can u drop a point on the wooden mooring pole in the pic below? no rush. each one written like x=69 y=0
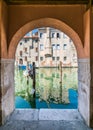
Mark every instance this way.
x=60 y=71
x=61 y=81
x=34 y=82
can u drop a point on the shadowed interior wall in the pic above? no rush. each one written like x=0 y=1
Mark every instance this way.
x=4 y=29
x=7 y=86
x=91 y=66
x=69 y=14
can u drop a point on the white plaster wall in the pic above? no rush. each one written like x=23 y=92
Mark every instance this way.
x=84 y=89
x=7 y=86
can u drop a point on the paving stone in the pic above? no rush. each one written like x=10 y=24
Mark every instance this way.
x=29 y=120
x=59 y=114
x=25 y=114
x=45 y=125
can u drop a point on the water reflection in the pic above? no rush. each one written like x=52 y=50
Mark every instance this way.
x=50 y=91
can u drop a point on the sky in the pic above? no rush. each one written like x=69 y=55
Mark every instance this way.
x=33 y=32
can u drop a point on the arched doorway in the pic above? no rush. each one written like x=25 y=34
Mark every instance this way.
x=83 y=63
x=56 y=66
x=46 y=22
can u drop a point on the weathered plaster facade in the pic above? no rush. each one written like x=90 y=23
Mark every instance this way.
x=4 y=28
x=83 y=88
x=7 y=87
x=74 y=20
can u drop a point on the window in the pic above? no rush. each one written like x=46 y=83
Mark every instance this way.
x=53 y=58
x=25 y=49
x=41 y=58
x=41 y=47
x=53 y=34
x=36 y=49
x=20 y=61
x=64 y=46
x=20 y=53
x=58 y=35
x=36 y=40
x=36 y=58
x=65 y=58
x=26 y=40
x=58 y=47
x=53 y=46
x=32 y=45
x=58 y=58
x=41 y=35
x=20 y=43
x=25 y=58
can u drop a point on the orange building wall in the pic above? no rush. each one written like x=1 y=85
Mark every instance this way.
x=4 y=29
x=22 y=14
x=86 y=26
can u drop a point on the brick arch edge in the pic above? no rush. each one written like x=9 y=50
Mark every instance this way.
x=46 y=22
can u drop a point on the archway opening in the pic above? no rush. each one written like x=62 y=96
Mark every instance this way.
x=55 y=58
x=83 y=84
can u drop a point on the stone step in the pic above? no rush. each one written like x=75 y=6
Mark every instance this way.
x=46 y=114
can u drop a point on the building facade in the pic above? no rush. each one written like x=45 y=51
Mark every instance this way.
x=47 y=48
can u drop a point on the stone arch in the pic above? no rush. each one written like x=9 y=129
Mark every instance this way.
x=46 y=22
x=83 y=60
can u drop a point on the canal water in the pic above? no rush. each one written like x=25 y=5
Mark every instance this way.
x=53 y=89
